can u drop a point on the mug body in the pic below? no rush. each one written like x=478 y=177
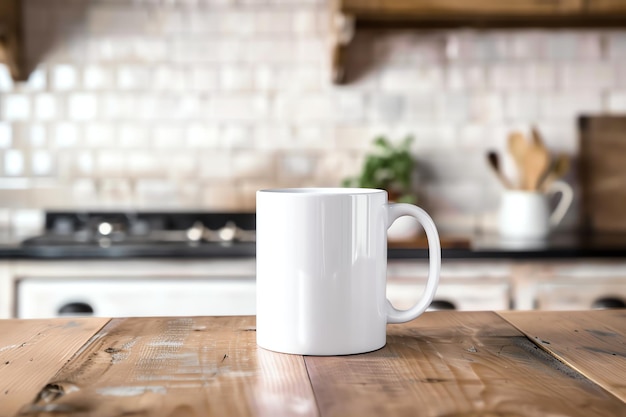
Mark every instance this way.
x=524 y=215
x=321 y=270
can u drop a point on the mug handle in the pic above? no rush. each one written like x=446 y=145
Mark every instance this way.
x=395 y=210
x=567 y=195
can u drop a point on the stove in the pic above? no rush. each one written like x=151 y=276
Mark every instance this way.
x=115 y=229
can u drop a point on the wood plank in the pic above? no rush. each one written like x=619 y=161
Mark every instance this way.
x=603 y=173
x=449 y=8
x=455 y=364
x=202 y=366
x=32 y=351
x=592 y=342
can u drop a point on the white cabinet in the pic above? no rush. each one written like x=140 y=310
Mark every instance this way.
x=171 y=287
x=112 y=288
x=580 y=285
x=462 y=286
x=132 y=297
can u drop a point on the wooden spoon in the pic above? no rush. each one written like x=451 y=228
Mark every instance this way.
x=559 y=169
x=518 y=146
x=494 y=163
x=536 y=162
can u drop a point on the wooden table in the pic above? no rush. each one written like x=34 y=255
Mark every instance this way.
x=443 y=364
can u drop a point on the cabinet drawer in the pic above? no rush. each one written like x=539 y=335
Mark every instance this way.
x=581 y=294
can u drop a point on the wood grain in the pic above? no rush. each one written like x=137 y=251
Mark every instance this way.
x=179 y=366
x=592 y=342
x=32 y=351
x=455 y=364
x=603 y=173
x=449 y=8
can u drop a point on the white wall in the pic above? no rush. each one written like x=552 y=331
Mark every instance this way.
x=197 y=103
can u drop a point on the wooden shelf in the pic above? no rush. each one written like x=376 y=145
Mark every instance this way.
x=10 y=28
x=348 y=16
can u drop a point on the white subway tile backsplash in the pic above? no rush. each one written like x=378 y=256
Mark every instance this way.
x=181 y=103
x=6 y=82
x=111 y=163
x=154 y=192
x=6 y=135
x=96 y=77
x=182 y=165
x=42 y=163
x=274 y=22
x=567 y=106
x=313 y=137
x=617 y=102
x=75 y=164
x=349 y=106
x=133 y=135
x=134 y=77
x=46 y=107
x=521 y=107
x=16 y=107
x=387 y=108
x=309 y=108
x=142 y=164
x=505 y=77
x=616 y=45
x=13 y=162
x=235 y=78
x=100 y=135
x=204 y=79
x=584 y=75
x=220 y=197
x=236 y=136
x=82 y=106
x=305 y=22
x=296 y=165
x=239 y=108
x=253 y=165
x=84 y=193
x=486 y=107
x=37 y=80
x=168 y=136
x=64 y=77
x=65 y=135
x=539 y=76
x=466 y=77
x=215 y=165
x=115 y=193
x=274 y=136
x=37 y=136
x=452 y=108
x=200 y=135
x=356 y=137
x=169 y=78
x=401 y=80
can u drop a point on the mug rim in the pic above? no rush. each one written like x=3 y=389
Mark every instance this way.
x=309 y=191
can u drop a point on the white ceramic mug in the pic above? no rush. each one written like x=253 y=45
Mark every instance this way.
x=525 y=215
x=321 y=269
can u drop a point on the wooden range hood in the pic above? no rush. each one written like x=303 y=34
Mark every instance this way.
x=10 y=26
x=348 y=16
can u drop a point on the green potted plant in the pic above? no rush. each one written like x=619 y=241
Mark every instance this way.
x=389 y=167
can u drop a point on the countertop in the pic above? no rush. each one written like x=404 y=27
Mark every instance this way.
x=561 y=246
x=469 y=364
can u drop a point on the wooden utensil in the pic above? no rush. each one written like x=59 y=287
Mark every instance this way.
x=494 y=163
x=559 y=169
x=518 y=147
x=536 y=163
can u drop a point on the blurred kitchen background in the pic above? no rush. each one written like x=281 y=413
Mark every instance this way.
x=193 y=105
